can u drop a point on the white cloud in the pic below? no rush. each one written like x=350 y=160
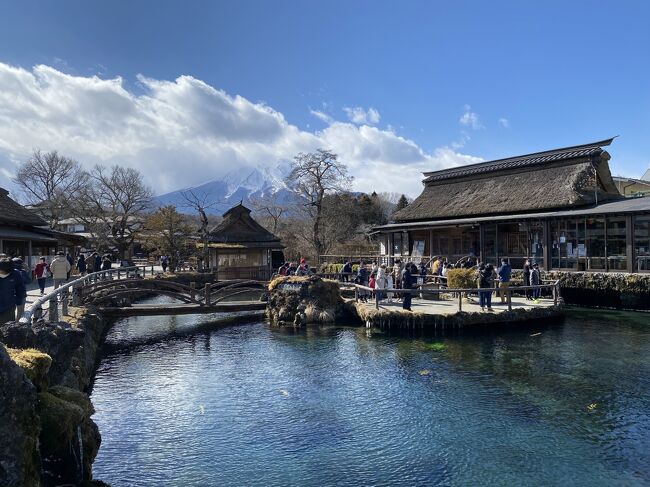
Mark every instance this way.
x=470 y=119
x=504 y=122
x=322 y=116
x=185 y=132
x=360 y=116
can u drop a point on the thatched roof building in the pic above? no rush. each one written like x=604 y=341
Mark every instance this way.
x=571 y=176
x=560 y=208
x=242 y=248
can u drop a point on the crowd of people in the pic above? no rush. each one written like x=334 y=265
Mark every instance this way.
x=300 y=268
x=386 y=282
x=15 y=277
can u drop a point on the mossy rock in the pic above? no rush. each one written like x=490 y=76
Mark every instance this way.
x=59 y=421
x=34 y=363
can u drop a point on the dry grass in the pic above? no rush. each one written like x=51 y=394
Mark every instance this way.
x=34 y=363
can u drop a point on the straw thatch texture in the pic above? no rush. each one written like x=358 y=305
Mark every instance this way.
x=239 y=226
x=512 y=191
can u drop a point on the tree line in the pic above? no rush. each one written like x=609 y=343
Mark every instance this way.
x=115 y=206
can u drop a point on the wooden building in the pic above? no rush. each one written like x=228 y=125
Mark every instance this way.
x=559 y=208
x=26 y=235
x=240 y=248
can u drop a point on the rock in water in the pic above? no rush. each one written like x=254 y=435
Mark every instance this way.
x=19 y=426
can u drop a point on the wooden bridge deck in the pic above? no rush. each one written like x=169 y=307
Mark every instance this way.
x=183 y=308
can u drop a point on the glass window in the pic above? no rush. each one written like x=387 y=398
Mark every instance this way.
x=489 y=243
x=397 y=243
x=642 y=243
x=616 y=244
x=595 y=243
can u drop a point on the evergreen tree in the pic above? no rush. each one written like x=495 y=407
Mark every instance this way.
x=402 y=203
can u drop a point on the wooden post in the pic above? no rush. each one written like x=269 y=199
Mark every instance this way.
x=376 y=299
x=460 y=302
x=64 y=303
x=119 y=275
x=206 y=291
x=193 y=290
x=53 y=312
x=509 y=298
x=555 y=292
x=38 y=313
x=356 y=293
x=76 y=295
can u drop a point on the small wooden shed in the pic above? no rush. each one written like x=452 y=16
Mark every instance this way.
x=241 y=248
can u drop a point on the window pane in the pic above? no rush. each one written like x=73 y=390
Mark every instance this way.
x=642 y=242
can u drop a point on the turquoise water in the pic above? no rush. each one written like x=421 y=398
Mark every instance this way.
x=562 y=404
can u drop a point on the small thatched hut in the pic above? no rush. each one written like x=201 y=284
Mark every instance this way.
x=560 y=208
x=240 y=248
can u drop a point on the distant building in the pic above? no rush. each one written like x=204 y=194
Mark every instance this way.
x=559 y=208
x=240 y=248
x=26 y=235
x=631 y=188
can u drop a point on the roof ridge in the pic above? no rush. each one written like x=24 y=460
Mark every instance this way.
x=531 y=155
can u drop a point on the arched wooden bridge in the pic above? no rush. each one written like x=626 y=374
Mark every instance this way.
x=114 y=292
x=116 y=297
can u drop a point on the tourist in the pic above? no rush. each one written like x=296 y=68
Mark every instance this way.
x=535 y=280
x=504 y=273
x=70 y=260
x=20 y=268
x=81 y=265
x=60 y=268
x=389 y=285
x=407 y=284
x=526 y=275
x=107 y=264
x=485 y=283
x=164 y=262
x=98 y=262
x=374 y=268
x=362 y=280
x=12 y=291
x=40 y=272
x=381 y=282
x=435 y=267
x=372 y=282
x=282 y=270
x=346 y=271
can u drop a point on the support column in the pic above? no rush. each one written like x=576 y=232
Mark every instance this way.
x=2 y=246
x=29 y=257
x=481 y=242
x=629 y=243
x=546 y=241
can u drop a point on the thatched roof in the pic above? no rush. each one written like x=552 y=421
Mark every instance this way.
x=554 y=179
x=238 y=226
x=12 y=213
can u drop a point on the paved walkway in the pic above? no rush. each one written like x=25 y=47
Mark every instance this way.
x=444 y=307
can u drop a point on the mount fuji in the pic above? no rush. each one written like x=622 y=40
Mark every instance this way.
x=243 y=185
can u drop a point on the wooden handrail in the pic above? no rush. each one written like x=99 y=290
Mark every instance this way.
x=35 y=309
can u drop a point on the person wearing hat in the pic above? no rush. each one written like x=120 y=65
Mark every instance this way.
x=60 y=268
x=12 y=291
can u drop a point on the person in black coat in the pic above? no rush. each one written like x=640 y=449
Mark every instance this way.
x=81 y=265
x=407 y=283
x=526 y=274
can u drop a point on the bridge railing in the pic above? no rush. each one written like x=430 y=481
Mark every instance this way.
x=554 y=286
x=62 y=294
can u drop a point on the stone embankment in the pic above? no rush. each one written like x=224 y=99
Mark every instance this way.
x=604 y=289
x=48 y=436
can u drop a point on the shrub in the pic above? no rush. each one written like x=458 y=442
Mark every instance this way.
x=461 y=278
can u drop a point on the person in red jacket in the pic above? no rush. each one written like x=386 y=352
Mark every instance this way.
x=40 y=271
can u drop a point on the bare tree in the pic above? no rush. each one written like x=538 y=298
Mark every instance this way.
x=201 y=203
x=315 y=175
x=113 y=205
x=167 y=233
x=272 y=207
x=51 y=182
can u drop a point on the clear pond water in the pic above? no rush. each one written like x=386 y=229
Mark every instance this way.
x=561 y=404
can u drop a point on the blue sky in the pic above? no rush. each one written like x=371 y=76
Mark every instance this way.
x=452 y=81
